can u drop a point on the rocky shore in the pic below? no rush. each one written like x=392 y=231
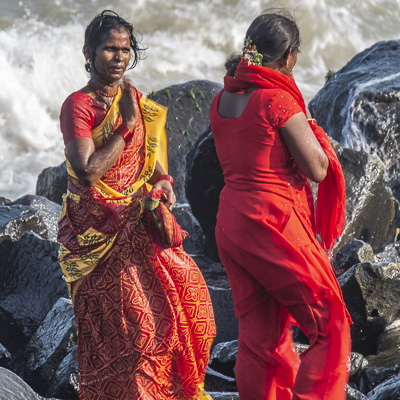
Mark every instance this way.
x=358 y=108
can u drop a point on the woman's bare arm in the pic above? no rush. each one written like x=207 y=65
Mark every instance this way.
x=90 y=164
x=305 y=148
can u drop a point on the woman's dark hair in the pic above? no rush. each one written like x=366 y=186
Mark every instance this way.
x=97 y=32
x=274 y=33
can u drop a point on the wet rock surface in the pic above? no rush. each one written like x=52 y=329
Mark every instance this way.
x=371 y=293
x=370 y=206
x=52 y=183
x=5 y=358
x=359 y=106
x=66 y=380
x=203 y=187
x=29 y=213
x=361 y=115
x=188 y=108
x=12 y=387
x=29 y=287
x=56 y=335
x=353 y=253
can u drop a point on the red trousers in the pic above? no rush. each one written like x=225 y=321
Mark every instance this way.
x=267 y=366
x=274 y=269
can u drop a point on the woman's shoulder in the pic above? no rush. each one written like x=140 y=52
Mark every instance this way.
x=78 y=98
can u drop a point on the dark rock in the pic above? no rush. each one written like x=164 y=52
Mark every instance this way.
x=359 y=106
x=353 y=394
x=31 y=284
x=188 y=108
x=390 y=338
x=300 y=347
x=370 y=207
x=12 y=387
x=66 y=381
x=353 y=253
x=5 y=358
x=223 y=358
x=227 y=324
x=371 y=293
x=213 y=272
x=193 y=244
x=356 y=365
x=391 y=253
x=52 y=183
x=371 y=377
x=29 y=214
x=224 y=395
x=216 y=381
x=388 y=390
x=386 y=362
x=49 y=346
x=203 y=186
x=3 y=201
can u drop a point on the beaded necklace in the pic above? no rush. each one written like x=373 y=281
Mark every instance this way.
x=107 y=98
x=100 y=93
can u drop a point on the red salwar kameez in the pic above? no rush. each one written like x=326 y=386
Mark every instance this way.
x=266 y=237
x=144 y=314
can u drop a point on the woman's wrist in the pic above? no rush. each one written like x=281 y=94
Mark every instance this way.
x=125 y=132
x=165 y=177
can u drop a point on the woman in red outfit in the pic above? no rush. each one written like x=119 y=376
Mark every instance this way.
x=144 y=314
x=266 y=226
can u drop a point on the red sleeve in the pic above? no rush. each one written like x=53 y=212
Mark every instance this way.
x=282 y=106
x=77 y=117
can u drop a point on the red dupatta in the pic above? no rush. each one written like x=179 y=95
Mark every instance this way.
x=331 y=198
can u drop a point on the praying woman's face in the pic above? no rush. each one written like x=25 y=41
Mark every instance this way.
x=112 y=56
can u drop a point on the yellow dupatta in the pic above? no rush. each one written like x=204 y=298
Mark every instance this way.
x=154 y=116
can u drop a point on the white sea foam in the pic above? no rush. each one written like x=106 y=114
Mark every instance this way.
x=41 y=60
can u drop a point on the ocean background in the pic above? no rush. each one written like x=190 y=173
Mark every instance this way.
x=41 y=61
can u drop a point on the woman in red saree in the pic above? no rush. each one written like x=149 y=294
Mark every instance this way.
x=144 y=314
x=266 y=227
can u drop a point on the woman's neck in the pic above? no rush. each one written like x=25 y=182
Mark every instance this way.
x=108 y=88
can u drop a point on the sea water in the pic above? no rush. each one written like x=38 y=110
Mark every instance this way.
x=41 y=61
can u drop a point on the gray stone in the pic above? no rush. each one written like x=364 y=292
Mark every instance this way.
x=370 y=207
x=216 y=381
x=203 y=186
x=52 y=183
x=193 y=244
x=388 y=390
x=188 y=108
x=12 y=387
x=5 y=358
x=359 y=106
x=66 y=380
x=371 y=293
x=224 y=395
x=29 y=214
x=353 y=253
x=30 y=285
x=227 y=324
x=391 y=253
x=353 y=394
x=223 y=358
x=371 y=377
x=56 y=335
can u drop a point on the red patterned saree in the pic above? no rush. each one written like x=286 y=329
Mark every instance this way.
x=144 y=314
